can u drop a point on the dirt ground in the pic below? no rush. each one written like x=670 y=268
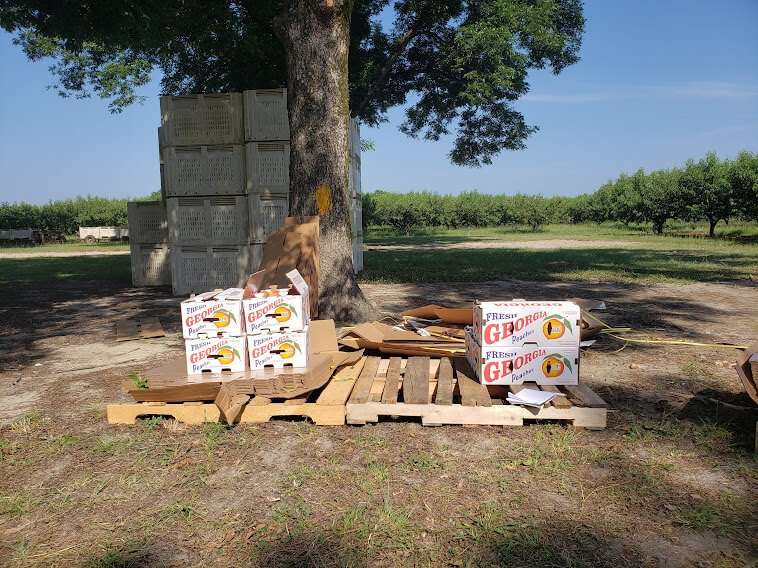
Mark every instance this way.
x=671 y=482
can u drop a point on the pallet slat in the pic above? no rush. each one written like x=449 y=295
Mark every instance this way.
x=416 y=381
x=392 y=382
x=444 y=383
x=362 y=387
x=472 y=392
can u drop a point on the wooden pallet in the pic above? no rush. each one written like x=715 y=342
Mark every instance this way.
x=186 y=412
x=440 y=392
x=324 y=406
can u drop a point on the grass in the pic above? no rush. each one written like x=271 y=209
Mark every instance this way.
x=640 y=257
x=71 y=245
x=711 y=262
x=115 y=269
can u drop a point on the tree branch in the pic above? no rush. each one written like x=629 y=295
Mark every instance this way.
x=387 y=67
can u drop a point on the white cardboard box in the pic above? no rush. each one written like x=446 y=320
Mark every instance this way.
x=512 y=324
x=506 y=365
x=215 y=354
x=213 y=314
x=279 y=349
x=288 y=311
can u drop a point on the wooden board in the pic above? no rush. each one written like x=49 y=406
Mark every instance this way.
x=138 y=328
x=453 y=397
x=416 y=381
x=325 y=407
x=189 y=413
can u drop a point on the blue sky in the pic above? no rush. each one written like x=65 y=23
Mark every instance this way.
x=659 y=82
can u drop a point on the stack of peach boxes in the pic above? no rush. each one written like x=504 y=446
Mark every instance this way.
x=226 y=331
x=519 y=341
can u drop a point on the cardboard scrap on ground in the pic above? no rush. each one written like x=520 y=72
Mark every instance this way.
x=747 y=371
x=294 y=246
x=464 y=315
x=381 y=337
x=138 y=328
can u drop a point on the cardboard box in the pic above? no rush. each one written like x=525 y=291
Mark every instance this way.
x=215 y=354
x=213 y=314
x=504 y=365
x=286 y=311
x=515 y=323
x=277 y=350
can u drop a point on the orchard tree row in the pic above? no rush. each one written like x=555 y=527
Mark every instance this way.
x=710 y=189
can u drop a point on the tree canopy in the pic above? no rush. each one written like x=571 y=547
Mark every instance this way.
x=458 y=65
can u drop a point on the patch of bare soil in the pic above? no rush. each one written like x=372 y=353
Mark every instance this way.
x=670 y=482
x=536 y=244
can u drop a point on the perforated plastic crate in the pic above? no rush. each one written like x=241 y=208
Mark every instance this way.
x=204 y=170
x=150 y=264
x=219 y=220
x=356 y=214
x=202 y=119
x=197 y=269
x=267 y=214
x=147 y=222
x=354 y=139
x=268 y=167
x=358 y=252
x=354 y=176
x=266 y=115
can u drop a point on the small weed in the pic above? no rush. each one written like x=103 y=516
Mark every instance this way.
x=369 y=439
x=354 y=521
x=152 y=422
x=14 y=505
x=292 y=518
x=27 y=423
x=423 y=462
x=212 y=432
x=179 y=510
x=110 y=445
x=698 y=518
x=139 y=381
x=395 y=525
x=59 y=443
x=296 y=477
x=132 y=555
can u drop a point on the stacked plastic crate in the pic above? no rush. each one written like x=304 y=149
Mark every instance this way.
x=148 y=243
x=204 y=186
x=267 y=162
x=224 y=162
x=354 y=186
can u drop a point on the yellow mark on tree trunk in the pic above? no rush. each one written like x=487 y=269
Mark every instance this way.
x=323 y=199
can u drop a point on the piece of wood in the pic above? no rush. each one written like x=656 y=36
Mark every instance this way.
x=139 y=328
x=747 y=371
x=392 y=382
x=231 y=399
x=586 y=395
x=362 y=387
x=187 y=392
x=495 y=415
x=558 y=401
x=186 y=413
x=416 y=381
x=338 y=390
x=444 y=383
x=472 y=392
x=320 y=414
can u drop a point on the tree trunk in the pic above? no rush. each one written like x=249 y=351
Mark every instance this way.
x=658 y=225
x=712 y=227
x=316 y=34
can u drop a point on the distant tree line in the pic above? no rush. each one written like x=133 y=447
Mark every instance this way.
x=64 y=217
x=710 y=189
